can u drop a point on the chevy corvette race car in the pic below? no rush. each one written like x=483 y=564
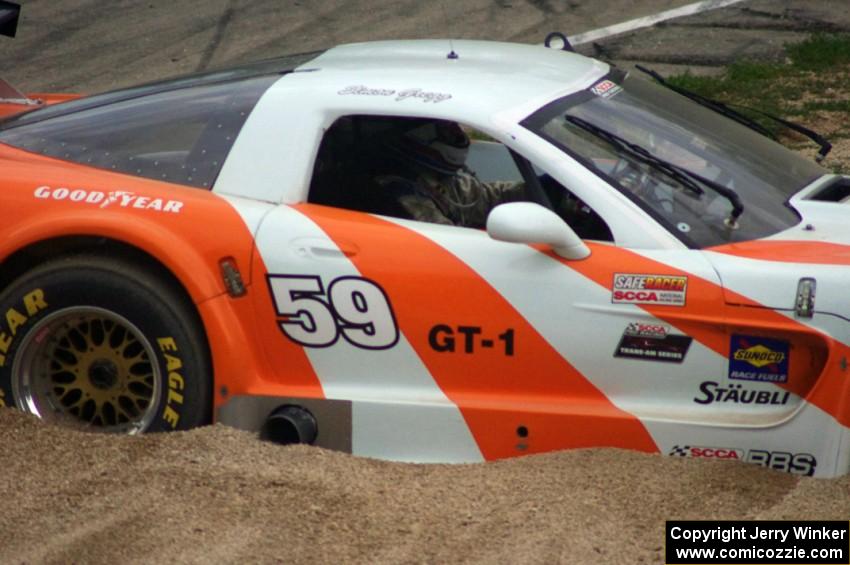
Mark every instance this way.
x=212 y=248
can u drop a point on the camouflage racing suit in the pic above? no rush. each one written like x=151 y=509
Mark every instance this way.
x=460 y=199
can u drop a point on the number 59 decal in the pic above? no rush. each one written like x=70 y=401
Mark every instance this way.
x=356 y=307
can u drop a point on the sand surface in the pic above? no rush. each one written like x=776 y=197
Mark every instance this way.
x=219 y=495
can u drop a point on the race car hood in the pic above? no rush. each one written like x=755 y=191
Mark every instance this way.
x=769 y=271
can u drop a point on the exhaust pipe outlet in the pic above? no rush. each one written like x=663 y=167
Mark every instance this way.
x=290 y=424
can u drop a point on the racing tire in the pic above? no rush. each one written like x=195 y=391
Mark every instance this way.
x=95 y=343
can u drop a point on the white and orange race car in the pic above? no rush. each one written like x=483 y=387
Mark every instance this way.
x=214 y=248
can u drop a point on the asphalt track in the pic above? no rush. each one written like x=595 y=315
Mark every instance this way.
x=96 y=45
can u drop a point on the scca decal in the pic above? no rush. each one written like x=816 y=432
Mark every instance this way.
x=795 y=463
x=652 y=342
x=707 y=452
x=661 y=290
x=355 y=307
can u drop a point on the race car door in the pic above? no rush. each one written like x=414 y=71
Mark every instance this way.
x=453 y=346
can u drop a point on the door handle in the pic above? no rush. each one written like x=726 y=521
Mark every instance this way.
x=322 y=248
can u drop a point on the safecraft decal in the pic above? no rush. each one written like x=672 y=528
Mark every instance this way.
x=795 y=463
x=758 y=359
x=653 y=342
x=712 y=392
x=355 y=307
x=121 y=198
x=660 y=290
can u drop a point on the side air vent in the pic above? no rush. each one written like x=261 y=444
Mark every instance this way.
x=838 y=191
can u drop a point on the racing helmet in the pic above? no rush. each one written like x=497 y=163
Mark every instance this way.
x=439 y=145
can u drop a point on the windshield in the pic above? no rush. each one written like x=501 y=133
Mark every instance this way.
x=705 y=177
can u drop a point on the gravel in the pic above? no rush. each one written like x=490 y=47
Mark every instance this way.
x=220 y=495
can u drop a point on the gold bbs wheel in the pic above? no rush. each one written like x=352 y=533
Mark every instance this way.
x=90 y=367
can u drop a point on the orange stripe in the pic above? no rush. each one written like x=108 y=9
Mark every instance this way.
x=497 y=394
x=817 y=252
x=290 y=365
x=708 y=319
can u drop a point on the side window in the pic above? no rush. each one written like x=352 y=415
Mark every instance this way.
x=422 y=169
x=581 y=218
x=180 y=136
x=433 y=171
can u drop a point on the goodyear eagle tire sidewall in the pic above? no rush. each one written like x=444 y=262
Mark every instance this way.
x=153 y=308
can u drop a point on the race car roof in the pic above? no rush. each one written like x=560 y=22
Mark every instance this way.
x=476 y=76
x=274 y=66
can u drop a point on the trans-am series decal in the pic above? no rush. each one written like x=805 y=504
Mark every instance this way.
x=653 y=342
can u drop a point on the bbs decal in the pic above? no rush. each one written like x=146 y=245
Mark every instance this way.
x=353 y=307
x=795 y=463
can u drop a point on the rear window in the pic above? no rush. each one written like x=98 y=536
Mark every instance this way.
x=180 y=136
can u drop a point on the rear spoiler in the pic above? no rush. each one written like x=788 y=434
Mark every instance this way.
x=11 y=95
x=9 y=14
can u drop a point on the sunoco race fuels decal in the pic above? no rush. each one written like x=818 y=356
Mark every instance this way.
x=662 y=290
x=754 y=358
x=653 y=342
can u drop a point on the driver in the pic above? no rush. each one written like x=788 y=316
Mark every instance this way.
x=430 y=181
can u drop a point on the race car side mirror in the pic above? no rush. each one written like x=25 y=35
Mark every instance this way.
x=527 y=222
